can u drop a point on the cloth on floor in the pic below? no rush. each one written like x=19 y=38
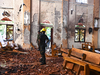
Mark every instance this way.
x=97 y=51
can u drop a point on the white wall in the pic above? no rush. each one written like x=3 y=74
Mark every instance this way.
x=18 y=22
x=6 y=3
x=12 y=7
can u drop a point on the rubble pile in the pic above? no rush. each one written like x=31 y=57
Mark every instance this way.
x=27 y=63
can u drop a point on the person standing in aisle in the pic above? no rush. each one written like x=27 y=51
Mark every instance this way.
x=43 y=43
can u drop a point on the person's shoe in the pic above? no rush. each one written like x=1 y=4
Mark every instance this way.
x=42 y=63
x=40 y=60
x=38 y=50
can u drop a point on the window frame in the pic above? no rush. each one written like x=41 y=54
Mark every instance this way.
x=6 y=31
x=81 y=2
x=79 y=34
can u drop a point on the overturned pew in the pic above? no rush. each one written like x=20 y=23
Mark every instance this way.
x=87 y=60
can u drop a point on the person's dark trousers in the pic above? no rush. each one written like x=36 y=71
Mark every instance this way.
x=42 y=52
x=38 y=47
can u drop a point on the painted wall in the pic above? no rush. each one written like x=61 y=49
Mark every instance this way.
x=34 y=21
x=64 y=23
x=99 y=28
x=18 y=22
x=26 y=27
x=78 y=10
x=96 y=15
x=12 y=7
x=21 y=37
x=6 y=6
x=52 y=11
x=99 y=38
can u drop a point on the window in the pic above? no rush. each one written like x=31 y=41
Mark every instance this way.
x=6 y=31
x=79 y=35
x=81 y=1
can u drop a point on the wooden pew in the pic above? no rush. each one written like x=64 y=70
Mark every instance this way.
x=32 y=45
x=89 y=60
x=89 y=43
x=88 y=46
x=55 y=51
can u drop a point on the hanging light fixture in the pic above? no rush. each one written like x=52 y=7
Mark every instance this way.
x=96 y=24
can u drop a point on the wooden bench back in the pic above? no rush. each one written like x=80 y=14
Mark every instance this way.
x=72 y=53
x=54 y=46
x=89 y=43
x=90 y=56
x=88 y=47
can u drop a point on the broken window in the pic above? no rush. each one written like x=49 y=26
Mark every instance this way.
x=81 y=1
x=6 y=31
x=79 y=35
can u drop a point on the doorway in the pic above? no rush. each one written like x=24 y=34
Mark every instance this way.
x=49 y=33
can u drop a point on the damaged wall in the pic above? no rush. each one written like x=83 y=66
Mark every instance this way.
x=18 y=22
x=46 y=10
x=6 y=5
x=52 y=11
x=65 y=22
x=12 y=7
x=34 y=21
x=99 y=28
x=96 y=16
x=26 y=27
x=57 y=33
x=78 y=10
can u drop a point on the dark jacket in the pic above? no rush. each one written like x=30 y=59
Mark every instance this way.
x=43 y=39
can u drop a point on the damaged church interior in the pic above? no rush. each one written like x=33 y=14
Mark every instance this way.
x=49 y=37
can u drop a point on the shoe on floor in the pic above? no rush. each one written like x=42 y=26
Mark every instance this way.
x=41 y=59
x=38 y=50
x=42 y=63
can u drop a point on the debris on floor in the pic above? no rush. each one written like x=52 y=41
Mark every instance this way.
x=26 y=62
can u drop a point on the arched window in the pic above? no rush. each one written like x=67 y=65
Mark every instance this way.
x=6 y=29
x=80 y=33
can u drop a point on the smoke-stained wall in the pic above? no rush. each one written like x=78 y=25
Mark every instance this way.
x=52 y=11
x=99 y=28
x=65 y=23
x=12 y=7
x=26 y=27
x=18 y=22
x=78 y=10
x=34 y=21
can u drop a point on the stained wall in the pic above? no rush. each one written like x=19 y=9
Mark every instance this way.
x=78 y=10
